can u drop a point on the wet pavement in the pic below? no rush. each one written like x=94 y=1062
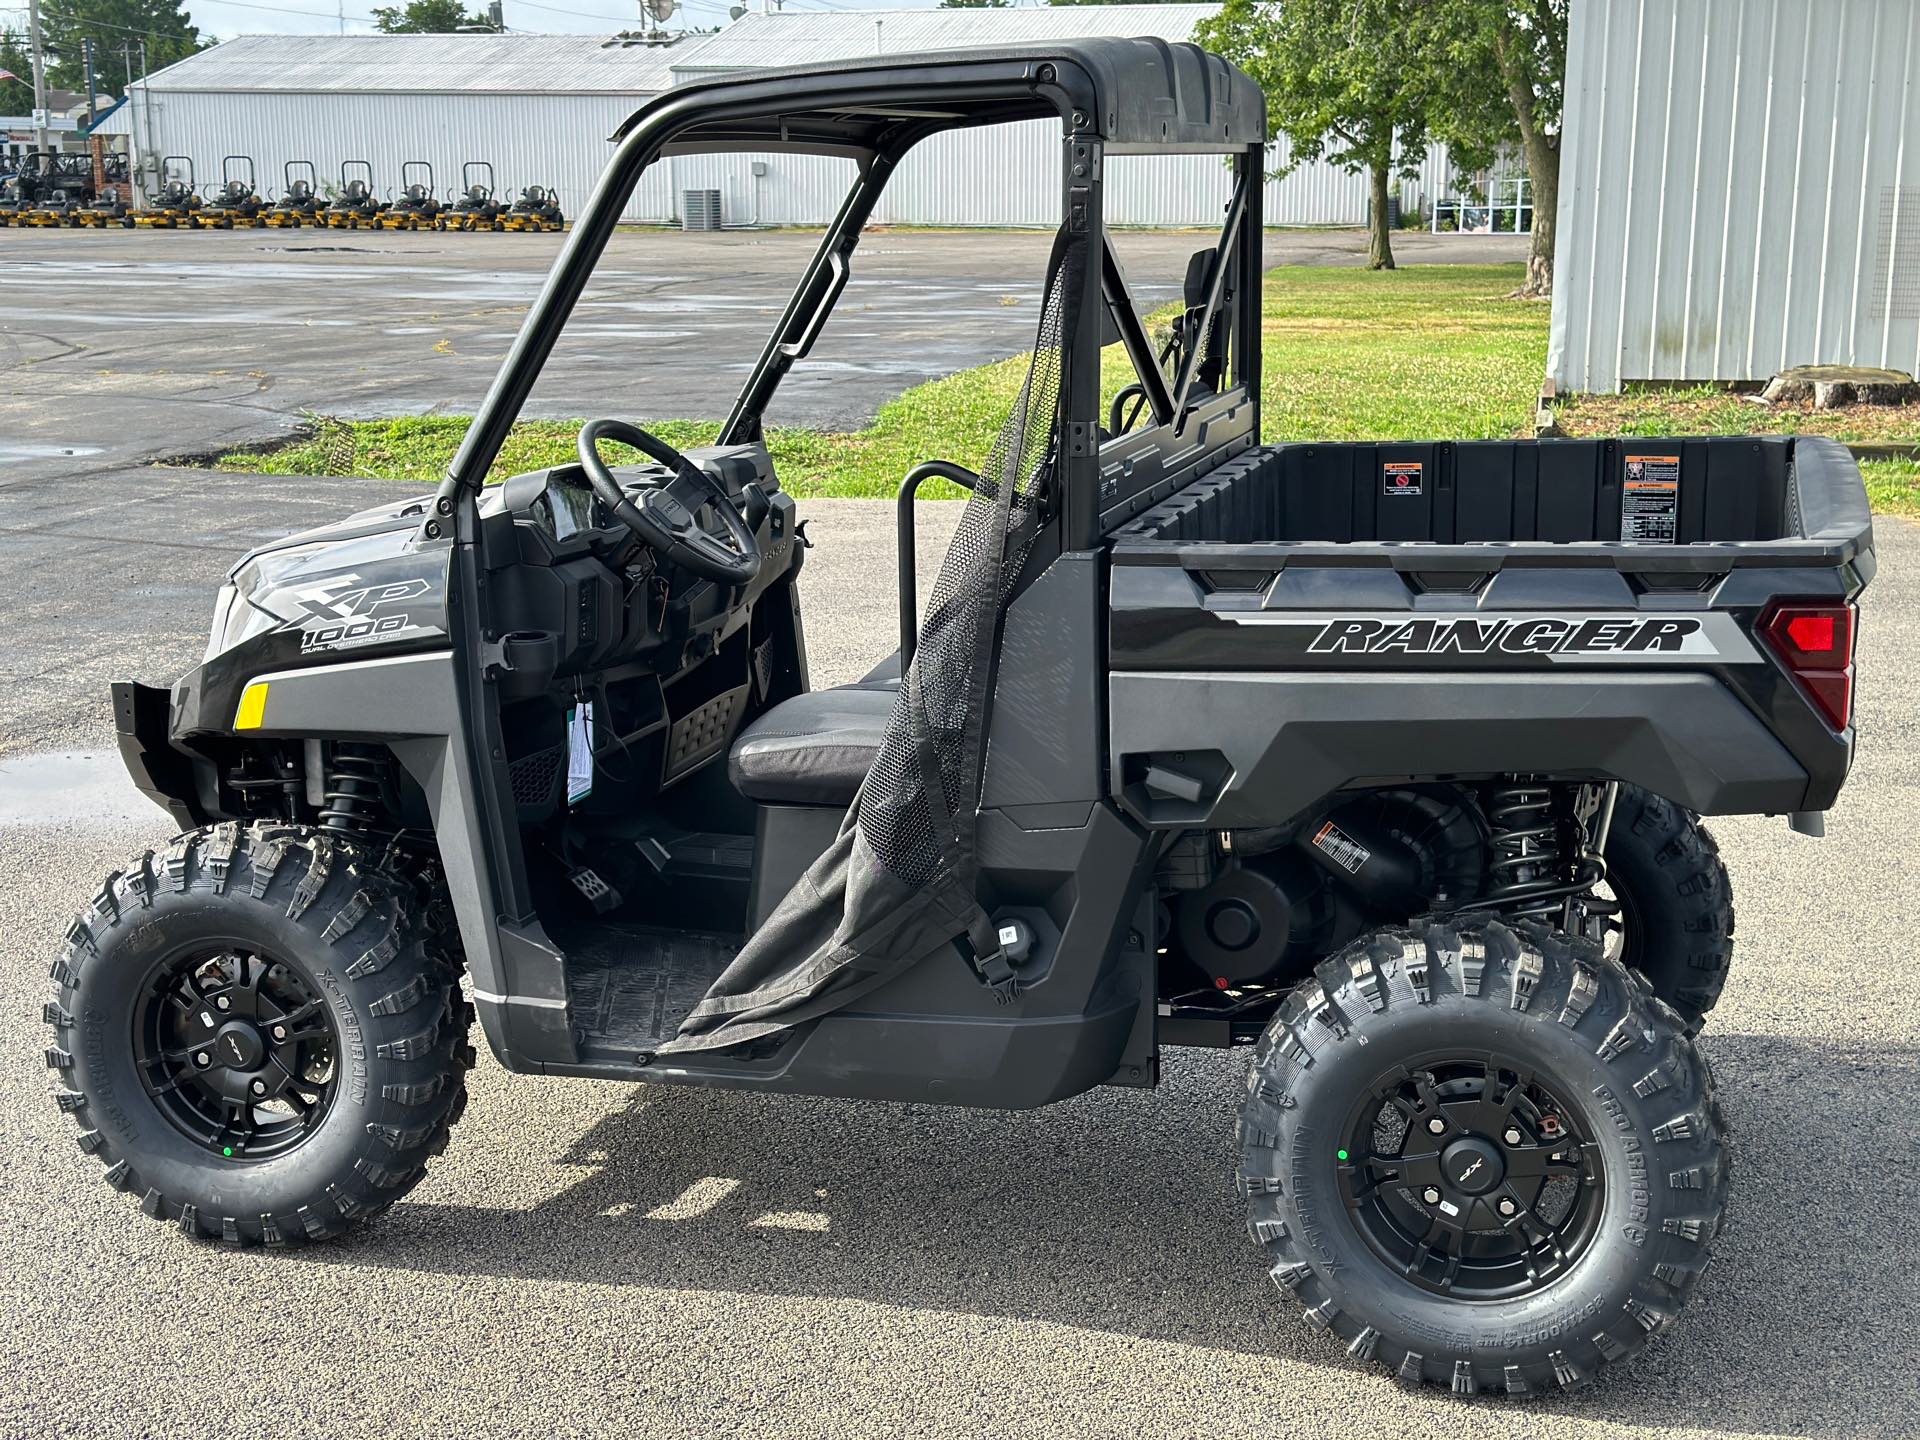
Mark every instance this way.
x=119 y=346
x=84 y=789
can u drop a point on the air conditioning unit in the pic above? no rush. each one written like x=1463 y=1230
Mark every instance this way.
x=700 y=210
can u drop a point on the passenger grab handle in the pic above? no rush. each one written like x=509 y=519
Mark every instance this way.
x=909 y=600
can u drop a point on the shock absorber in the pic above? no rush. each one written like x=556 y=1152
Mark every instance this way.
x=352 y=794
x=1526 y=848
x=1530 y=873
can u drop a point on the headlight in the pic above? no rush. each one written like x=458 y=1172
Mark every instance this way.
x=217 y=643
x=254 y=602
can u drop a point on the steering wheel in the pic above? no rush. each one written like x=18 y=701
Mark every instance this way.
x=666 y=518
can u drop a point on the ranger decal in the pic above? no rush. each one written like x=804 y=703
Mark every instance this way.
x=1494 y=640
x=1522 y=635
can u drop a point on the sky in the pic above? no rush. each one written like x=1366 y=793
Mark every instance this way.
x=226 y=18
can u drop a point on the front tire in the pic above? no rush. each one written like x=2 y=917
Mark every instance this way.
x=260 y=1034
x=1600 y=1175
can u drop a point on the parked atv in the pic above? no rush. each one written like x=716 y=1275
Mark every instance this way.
x=1380 y=761
x=353 y=206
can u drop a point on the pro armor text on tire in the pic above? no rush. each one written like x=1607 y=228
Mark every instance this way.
x=259 y=1034
x=1486 y=1157
x=1677 y=903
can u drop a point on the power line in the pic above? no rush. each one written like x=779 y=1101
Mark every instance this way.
x=606 y=19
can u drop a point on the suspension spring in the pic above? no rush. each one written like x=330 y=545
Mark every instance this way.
x=1529 y=874
x=355 y=782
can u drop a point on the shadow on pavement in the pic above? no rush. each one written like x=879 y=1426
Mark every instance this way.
x=1115 y=1212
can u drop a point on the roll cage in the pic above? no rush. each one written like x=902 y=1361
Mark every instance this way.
x=1110 y=96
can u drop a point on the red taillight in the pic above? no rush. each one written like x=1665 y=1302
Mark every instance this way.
x=1815 y=642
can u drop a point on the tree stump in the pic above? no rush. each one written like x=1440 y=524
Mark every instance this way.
x=1829 y=387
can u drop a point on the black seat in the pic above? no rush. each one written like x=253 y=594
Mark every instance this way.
x=816 y=748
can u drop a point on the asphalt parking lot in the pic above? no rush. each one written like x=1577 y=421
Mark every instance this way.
x=594 y=1258
x=200 y=341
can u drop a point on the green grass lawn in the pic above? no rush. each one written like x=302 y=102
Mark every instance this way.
x=1420 y=353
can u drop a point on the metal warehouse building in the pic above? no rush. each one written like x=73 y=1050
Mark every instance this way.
x=540 y=107
x=1739 y=192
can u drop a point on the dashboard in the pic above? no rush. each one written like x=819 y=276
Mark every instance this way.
x=567 y=506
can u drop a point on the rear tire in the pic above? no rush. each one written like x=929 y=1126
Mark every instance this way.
x=1631 y=1124
x=1678 y=924
x=329 y=965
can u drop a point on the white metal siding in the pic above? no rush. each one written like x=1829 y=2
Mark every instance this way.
x=1740 y=190
x=1000 y=175
x=552 y=140
x=540 y=106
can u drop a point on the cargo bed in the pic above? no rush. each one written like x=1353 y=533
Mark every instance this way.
x=1685 y=503
x=1572 y=607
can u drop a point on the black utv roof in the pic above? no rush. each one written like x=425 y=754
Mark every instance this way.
x=1140 y=94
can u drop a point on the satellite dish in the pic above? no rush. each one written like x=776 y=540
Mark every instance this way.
x=660 y=10
x=736 y=12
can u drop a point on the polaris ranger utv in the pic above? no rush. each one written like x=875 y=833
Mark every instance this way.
x=1383 y=761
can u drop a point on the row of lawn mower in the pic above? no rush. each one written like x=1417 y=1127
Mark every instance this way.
x=53 y=191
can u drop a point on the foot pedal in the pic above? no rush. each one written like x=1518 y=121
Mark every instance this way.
x=602 y=896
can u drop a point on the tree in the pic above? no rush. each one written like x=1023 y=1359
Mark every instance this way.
x=1344 y=80
x=1104 y=2
x=973 y=4
x=111 y=24
x=428 y=17
x=1499 y=71
x=16 y=95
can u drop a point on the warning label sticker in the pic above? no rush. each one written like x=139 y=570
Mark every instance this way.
x=1401 y=477
x=1650 y=498
x=1345 y=851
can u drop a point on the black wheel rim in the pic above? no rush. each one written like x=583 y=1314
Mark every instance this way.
x=237 y=1051
x=1470 y=1178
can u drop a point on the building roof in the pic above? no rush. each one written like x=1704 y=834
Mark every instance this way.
x=433 y=64
x=757 y=41
x=594 y=64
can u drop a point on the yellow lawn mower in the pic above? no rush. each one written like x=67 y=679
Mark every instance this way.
x=237 y=202
x=477 y=208
x=177 y=203
x=416 y=207
x=536 y=209
x=353 y=204
x=299 y=203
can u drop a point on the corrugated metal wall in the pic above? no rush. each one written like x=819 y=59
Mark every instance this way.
x=1001 y=175
x=1740 y=190
x=552 y=140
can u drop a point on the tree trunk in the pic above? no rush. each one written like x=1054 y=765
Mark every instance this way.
x=1379 y=223
x=1543 y=169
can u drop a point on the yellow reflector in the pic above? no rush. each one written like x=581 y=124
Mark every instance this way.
x=253 y=707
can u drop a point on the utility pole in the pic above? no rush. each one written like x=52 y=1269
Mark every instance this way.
x=93 y=100
x=39 y=75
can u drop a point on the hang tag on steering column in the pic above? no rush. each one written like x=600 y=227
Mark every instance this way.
x=579 y=752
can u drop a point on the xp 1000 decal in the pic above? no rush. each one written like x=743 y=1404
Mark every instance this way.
x=343 y=615
x=1500 y=640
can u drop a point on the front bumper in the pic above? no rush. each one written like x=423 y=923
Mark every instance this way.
x=166 y=774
